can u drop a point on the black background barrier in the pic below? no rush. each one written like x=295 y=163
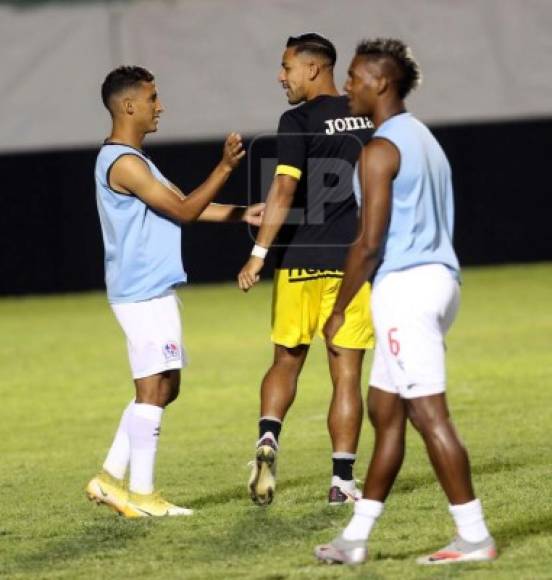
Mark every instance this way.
x=50 y=234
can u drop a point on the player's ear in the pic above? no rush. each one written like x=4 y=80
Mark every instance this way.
x=128 y=106
x=381 y=84
x=314 y=70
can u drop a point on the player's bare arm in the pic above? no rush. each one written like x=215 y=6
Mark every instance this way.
x=378 y=165
x=226 y=212
x=131 y=175
x=222 y=212
x=278 y=204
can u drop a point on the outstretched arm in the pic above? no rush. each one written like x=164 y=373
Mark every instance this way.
x=278 y=204
x=378 y=165
x=223 y=212
x=226 y=212
x=131 y=175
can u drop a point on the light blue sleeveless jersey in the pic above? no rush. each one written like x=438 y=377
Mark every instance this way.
x=422 y=214
x=142 y=248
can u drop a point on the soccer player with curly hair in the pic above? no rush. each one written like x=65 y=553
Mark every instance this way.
x=405 y=245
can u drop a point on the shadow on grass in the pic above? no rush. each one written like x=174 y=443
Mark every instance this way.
x=99 y=537
x=519 y=529
x=259 y=530
x=414 y=482
x=403 y=484
x=504 y=536
x=262 y=530
x=264 y=534
x=240 y=492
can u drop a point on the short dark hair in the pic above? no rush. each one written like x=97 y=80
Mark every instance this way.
x=315 y=44
x=410 y=74
x=122 y=78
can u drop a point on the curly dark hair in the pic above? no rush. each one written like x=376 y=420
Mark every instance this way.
x=122 y=78
x=408 y=70
x=315 y=44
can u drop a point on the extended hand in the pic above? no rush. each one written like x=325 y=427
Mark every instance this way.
x=249 y=274
x=233 y=150
x=333 y=324
x=253 y=215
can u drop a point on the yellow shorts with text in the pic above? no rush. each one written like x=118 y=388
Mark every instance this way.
x=303 y=299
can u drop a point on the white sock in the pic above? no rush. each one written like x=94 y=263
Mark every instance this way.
x=117 y=459
x=367 y=511
x=143 y=430
x=470 y=521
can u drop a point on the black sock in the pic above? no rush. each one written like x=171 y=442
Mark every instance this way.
x=270 y=425
x=343 y=468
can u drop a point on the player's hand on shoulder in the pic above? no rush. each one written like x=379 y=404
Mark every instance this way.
x=249 y=274
x=233 y=150
x=253 y=215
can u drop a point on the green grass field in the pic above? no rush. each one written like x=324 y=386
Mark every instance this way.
x=64 y=381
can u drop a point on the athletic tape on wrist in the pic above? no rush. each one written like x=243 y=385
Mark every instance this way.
x=259 y=252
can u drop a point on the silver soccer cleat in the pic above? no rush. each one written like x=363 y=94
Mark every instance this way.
x=342 y=551
x=461 y=551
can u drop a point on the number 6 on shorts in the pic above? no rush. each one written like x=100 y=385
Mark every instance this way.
x=394 y=344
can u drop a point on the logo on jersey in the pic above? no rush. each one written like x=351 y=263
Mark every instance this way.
x=172 y=351
x=347 y=124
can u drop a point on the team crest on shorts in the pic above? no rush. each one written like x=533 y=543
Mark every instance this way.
x=172 y=351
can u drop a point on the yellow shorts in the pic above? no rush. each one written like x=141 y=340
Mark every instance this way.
x=303 y=299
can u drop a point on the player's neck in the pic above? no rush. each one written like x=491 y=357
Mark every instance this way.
x=386 y=110
x=126 y=136
x=324 y=88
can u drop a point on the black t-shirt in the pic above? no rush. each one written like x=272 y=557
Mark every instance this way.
x=319 y=143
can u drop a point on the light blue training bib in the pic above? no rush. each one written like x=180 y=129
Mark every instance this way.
x=142 y=248
x=422 y=215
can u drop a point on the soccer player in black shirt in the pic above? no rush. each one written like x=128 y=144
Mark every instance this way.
x=311 y=220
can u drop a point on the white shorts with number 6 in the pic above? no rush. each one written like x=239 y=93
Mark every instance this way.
x=412 y=310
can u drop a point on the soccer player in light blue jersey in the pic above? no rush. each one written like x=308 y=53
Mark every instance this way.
x=141 y=214
x=405 y=246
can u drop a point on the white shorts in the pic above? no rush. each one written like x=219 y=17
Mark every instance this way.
x=412 y=311
x=154 y=334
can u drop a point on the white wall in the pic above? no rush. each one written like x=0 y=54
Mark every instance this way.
x=216 y=61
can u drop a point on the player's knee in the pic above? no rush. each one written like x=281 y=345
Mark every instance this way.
x=419 y=420
x=173 y=395
x=175 y=386
x=383 y=422
x=426 y=419
x=170 y=387
x=378 y=418
x=372 y=411
x=384 y=415
x=347 y=378
x=288 y=364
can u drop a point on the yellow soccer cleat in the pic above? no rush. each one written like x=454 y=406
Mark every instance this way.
x=108 y=490
x=152 y=505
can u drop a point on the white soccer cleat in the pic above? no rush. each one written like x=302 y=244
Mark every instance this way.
x=461 y=551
